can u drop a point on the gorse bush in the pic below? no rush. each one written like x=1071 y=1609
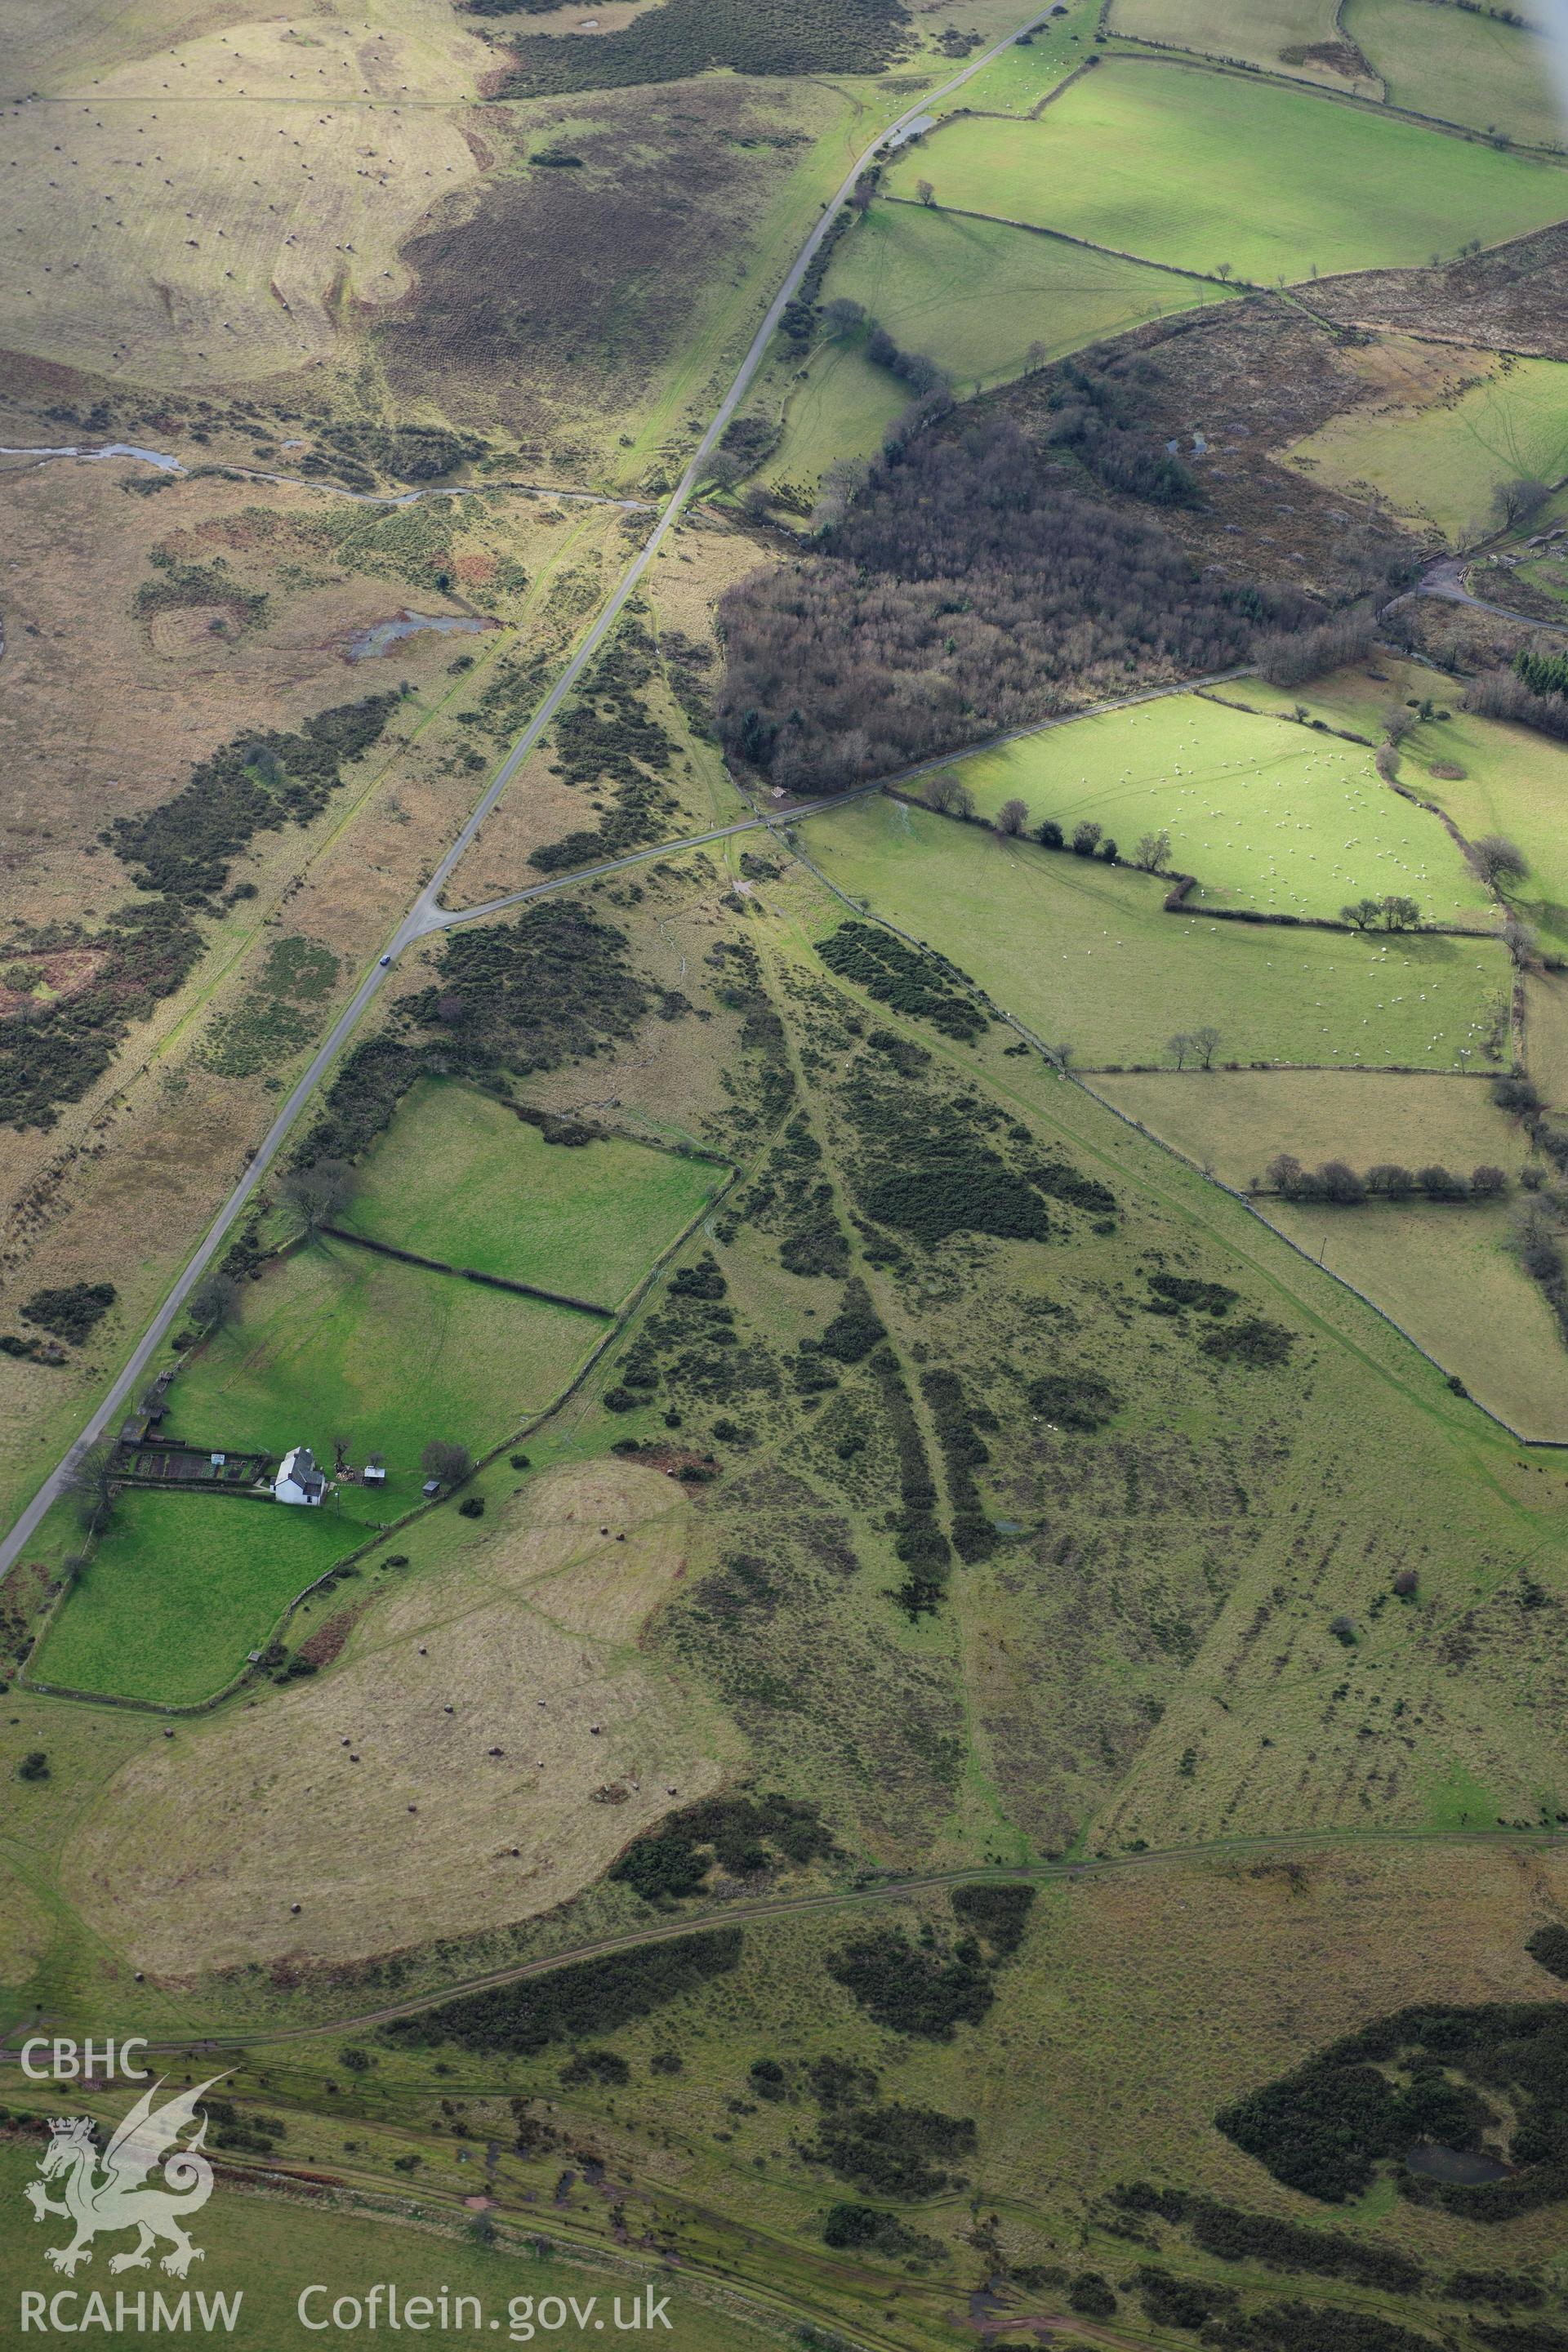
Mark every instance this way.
x=55 y=1049
x=1324 y=2128
x=257 y=784
x=593 y=1998
x=682 y=37
x=912 y=980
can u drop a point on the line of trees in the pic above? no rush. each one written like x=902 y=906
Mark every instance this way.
x=1199 y=1046
x=949 y=795
x=1503 y=693
x=1337 y=1184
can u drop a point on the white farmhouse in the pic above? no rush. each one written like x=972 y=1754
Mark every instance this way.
x=297 y=1479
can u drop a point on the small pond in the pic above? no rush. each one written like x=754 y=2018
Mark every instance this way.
x=381 y=636
x=1433 y=2161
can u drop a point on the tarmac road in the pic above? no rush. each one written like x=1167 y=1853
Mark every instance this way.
x=426 y=913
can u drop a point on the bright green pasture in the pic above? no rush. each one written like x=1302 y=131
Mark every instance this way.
x=1083 y=953
x=461 y=1178
x=977 y=295
x=335 y=1342
x=1023 y=75
x=1443 y=462
x=1260 y=34
x=182 y=1586
x=1462 y=67
x=1515 y=782
x=1198 y=169
x=1264 y=811
x=841 y=408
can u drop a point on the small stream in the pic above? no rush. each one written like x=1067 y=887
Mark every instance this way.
x=167 y=465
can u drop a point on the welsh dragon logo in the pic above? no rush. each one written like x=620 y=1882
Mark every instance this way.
x=104 y=2193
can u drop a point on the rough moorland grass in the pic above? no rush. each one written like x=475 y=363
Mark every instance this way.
x=459 y=1178
x=977 y=295
x=263 y=2250
x=334 y=1342
x=1515 y=782
x=1260 y=34
x=1084 y=953
x=1234 y=1121
x=248 y=293
x=535 y=1606
x=181 y=1587
x=1198 y=169
x=1460 y=65
x=1442 y=462
x=1265 y=813
x=1449 y=1278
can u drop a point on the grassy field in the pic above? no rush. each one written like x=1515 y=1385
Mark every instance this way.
x=840 y=407
x=1257 y=810
x=335 y=1342
x=1449 y=1278
x=461 y=1178
x=977 y=296
x=1546 y=1035
x=1460 y=67
x=1105 y=2015
x=1199 y=170
x=1234 y=1121
x=181 y=1587
x=1083 y=952
x=531 y=1626
x=1441 y=463
x=1263 y=36
x=1514 y=781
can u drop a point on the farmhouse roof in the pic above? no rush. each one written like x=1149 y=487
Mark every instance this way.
x=298 y=1468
